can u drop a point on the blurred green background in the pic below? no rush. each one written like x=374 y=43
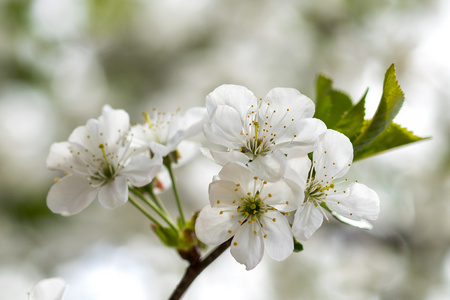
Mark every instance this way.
x=61 y=60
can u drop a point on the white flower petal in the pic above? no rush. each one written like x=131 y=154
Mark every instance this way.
x=187 y=151
x=59 y=157
x=161 y=149
x=247 y=247
x=284 y=195
x=212 y=227
x=363 y=224
x=49 y=289
x=225 y=127
x=285 y=108
x=114 y=193
x=310 y=131
x=141 y=135
x=236 y=96
x=357 y=202
x=86 y=136
x=222 y=158
x=270 y=167
x=335 y=153
x=222 y=193
x=190 y=123
x=70 y=195
x=298 y=169
x=308 y=219
x=141 y=169
x=282 y=99
x=238 y=174
x=279 y=242
x=113 y=124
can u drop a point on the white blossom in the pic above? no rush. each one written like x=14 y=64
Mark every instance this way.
x=331 y=160
x=252 y=212
x=260 y=132
x=98 y=163
x=49 y=289
x=163 y=132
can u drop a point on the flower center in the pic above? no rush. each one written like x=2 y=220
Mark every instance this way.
x=255 y=144
x=107 y=169
x=315 y=192
x=161 y=123
x=252 y=207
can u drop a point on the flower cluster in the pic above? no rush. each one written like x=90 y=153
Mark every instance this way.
x=267 y=174
x=107 y=156
x=281 y=172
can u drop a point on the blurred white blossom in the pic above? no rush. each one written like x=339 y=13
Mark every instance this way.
x=163 y=132
x=98 y=163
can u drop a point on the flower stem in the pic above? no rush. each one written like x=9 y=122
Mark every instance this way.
x=144 y=211
x=157 y=200
x=195 y=268
x=175 y=191
x=155 y=208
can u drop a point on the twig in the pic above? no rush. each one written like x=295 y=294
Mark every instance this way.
x=195 y=269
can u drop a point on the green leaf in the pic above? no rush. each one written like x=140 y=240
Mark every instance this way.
x=331 y=104
x=352 y=122
x=390 y=104
x=297 y=246
x=394 y=136
x=323 y=103
x=340 y=104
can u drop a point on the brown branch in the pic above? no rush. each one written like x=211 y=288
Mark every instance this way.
x=195 y=268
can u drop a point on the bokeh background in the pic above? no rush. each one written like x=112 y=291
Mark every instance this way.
x=61 y=60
